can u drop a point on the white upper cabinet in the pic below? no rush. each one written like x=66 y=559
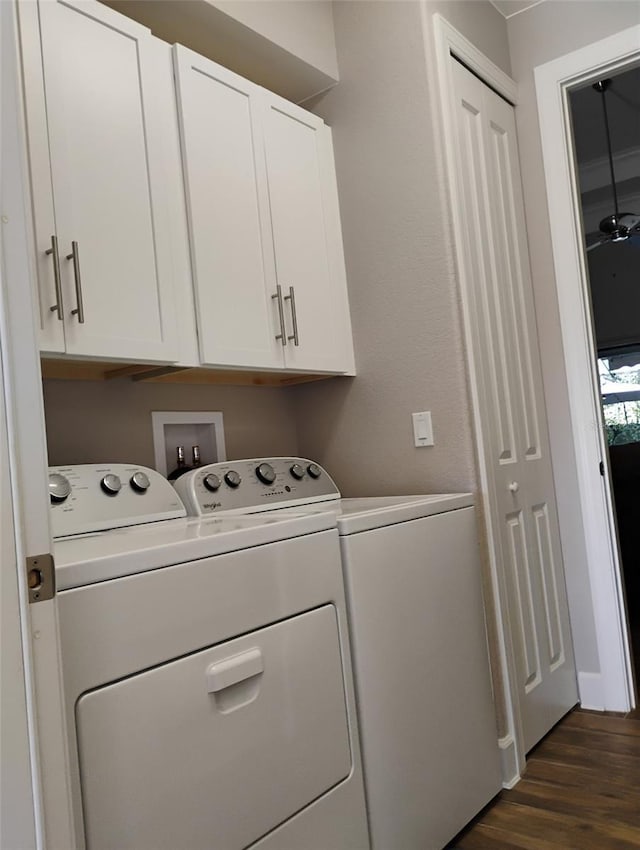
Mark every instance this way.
x=227 y=203
x=95 y=94
x=306 y=237
x=264 y=226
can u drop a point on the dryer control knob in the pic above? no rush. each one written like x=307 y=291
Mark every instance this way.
x=211 y=482
x=59 y=487
x=266 y=473
x=314 y=470
x=140 y=482
x=111 y=484
x=297 y=471
x=232 y=478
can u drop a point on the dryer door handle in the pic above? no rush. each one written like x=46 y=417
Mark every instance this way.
x=235 y=669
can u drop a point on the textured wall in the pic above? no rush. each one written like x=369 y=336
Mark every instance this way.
x=402 y=288
x=403 y=294
x=480 y=22
x=90 y=421
x=285 y=45
x=304 y=29
x=536 y=36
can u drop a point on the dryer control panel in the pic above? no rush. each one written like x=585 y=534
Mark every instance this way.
x=96 y=497
x=252 y=485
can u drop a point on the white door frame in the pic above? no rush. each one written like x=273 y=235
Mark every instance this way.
x=448 y=42
x=553 y=81
x=19 y=798
x=51 y=795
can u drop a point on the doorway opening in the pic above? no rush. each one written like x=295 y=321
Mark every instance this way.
x=606 y=141
x=590 y=545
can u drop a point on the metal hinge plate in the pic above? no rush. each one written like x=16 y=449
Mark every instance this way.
x=41 y=577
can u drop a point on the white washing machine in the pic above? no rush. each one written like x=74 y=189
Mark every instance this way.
x=207 y=672
x=413 y=580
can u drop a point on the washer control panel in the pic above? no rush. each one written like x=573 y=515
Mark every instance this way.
x=251 y=485
x=95 y=497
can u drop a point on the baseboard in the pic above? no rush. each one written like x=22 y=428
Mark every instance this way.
x=590 y=690
x=508 y=761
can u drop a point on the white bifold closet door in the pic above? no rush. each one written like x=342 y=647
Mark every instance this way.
x=515 y=438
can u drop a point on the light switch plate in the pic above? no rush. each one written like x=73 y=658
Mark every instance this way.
x=422 y=429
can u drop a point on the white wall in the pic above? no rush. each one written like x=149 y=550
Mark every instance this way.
x=402 y=286
x=305 y=29
x=399 y=259
x=17 y=827
x=536 y=36
x=93 y=422
x=480 y=23
x=287 y=47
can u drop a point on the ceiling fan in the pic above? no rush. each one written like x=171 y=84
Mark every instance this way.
x=617 y=227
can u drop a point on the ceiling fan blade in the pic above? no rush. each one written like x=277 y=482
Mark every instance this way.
x=597 y=244
x=630 y=220
x=632 y=239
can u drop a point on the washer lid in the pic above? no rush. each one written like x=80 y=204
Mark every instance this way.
x=120 y=552
x=364 y=514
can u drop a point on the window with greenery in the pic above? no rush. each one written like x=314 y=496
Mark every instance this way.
x=620 y=389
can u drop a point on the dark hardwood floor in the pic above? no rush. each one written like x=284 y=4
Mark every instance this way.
x=580 y=791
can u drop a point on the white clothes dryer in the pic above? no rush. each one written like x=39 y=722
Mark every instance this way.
x=413 y=579
x=207 y=672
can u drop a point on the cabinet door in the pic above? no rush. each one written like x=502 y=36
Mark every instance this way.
x=50 y=320
x=306 y=237
x=103 y=99
x=227 y=203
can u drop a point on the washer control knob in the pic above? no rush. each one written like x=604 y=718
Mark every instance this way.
x=266 y=473
x=232 y=478
x=140 y=482
x=211 y=482
x=314 y=470
x=297 y=471
x=59 y=487
x=111 y=484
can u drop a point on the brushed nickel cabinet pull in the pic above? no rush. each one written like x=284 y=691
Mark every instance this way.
x=57 y=307
x=75 y=256
x=283 y=334
x=294 y=316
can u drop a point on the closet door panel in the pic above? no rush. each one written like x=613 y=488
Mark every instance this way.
x=521 y=493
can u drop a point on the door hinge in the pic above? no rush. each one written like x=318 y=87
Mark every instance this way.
x=41 y=577
x=602 y=468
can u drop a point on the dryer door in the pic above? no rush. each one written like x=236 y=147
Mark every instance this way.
x=217 y=748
